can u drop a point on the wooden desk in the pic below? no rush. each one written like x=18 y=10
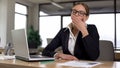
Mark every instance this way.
x=117 y=55
x=1 y=50
x=53 y=64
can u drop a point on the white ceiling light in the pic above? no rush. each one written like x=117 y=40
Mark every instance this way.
x=57 y=5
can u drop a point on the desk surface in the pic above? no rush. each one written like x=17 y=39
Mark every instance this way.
x=51 y=64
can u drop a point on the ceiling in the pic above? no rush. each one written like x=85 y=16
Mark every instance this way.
x=48 y=1
x=96 y=6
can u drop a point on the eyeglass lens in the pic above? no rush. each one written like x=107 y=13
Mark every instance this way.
x=80 y=13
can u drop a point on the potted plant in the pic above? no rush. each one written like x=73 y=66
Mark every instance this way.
x=34 y=39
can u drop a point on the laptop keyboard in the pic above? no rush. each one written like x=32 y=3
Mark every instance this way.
x=38 y=56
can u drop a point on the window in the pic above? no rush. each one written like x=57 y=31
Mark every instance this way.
x=66 y=21
x=118 y=30
x=49 y=27
x=103 y=22
x=20 y=16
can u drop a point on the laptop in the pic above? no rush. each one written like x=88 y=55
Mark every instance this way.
x=21 y=49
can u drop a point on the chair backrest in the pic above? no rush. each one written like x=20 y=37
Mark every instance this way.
x=59 y=49
x=106 y=51
x=49 y=40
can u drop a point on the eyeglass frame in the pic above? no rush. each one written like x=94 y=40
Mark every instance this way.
x=80 y=13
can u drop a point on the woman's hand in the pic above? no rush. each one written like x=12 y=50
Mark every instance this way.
x=80 y=24
x=65 y=56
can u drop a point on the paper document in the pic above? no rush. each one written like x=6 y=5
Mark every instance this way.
x=3 y=57
x=79 y=64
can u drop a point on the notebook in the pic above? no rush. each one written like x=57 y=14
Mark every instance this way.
x=21 y=49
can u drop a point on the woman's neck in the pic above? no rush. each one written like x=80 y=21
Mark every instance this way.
x=74 y=31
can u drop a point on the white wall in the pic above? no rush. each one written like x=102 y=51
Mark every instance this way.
x=0 y=20
x=7 y=9
x=3 y=22
x=6 y=20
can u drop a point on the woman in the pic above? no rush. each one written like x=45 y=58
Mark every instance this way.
x=79 y=41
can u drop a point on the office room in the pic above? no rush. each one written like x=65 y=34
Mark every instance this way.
x=47 y=17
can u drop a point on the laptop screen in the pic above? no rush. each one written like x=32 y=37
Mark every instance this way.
x=20 y=43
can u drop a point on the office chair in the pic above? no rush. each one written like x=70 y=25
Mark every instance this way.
x=59 y=49
x=49 y=40
x=106 y=51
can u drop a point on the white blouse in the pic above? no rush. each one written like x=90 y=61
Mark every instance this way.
x=72 y=40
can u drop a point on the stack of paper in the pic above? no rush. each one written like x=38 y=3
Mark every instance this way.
x=79 y=64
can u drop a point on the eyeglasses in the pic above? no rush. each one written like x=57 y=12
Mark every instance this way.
x=80 y=13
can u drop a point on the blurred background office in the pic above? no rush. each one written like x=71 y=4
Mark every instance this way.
x=49 y=16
